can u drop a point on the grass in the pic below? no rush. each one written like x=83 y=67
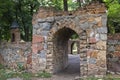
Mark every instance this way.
x=6 y=73
x=43 y=75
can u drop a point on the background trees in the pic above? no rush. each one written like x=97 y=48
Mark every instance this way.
x=113 y=8
x=22 y=11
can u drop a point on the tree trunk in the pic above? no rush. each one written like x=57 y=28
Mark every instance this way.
x=65 y=5
x=79 y=2
x=101 y=1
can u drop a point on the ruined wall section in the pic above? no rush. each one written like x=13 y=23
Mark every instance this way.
x=89 y=23
x=113 y=53
x=15 y=55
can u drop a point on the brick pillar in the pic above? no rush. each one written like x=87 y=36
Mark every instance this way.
x=37 y=51
x=83 y=55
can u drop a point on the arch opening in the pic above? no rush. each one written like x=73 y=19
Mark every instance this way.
x=74 y=48
x=63 y=61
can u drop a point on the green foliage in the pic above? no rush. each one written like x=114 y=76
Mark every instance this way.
x=113 y=15
x=21 y=11
x=1 y=66
x=58 y=5
x=5 y=18
x=6 y=73
x=72 y=5
x=26 y=76
x=74 y=36
x=44 y=75
x=20 y=67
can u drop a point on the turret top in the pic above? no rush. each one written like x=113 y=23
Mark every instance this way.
x=14 y=25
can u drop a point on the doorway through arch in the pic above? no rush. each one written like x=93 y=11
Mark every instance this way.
x=62 y=60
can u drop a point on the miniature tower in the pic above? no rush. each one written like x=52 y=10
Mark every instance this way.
x=15 y=32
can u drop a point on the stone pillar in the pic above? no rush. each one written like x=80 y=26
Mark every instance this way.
x=41 y=28
x=83 y=55
x=96 y=49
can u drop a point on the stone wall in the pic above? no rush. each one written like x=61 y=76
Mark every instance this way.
x=15 y=54
x=51 y=33
x=113 y=53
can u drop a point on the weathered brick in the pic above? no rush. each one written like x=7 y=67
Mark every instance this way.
x=92 y=40
x=117 y=47
x=92 y=53
x=116 y=54
x=99 y=21
x=101 y=45
x=37 y=39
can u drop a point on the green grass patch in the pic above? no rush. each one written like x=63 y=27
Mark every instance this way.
x=43 y=75
x=6 y=73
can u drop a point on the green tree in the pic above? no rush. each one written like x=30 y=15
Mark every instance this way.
x=21 y=11
x=113 y=7
x=6 y=9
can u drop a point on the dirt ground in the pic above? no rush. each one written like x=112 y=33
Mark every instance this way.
x=70 y=73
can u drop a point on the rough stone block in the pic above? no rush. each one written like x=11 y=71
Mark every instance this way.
x=101 y=55
x=103 y=36
x=101 y=63
x=83 y=42
x=112 y=42
x=92 y=40
x=44 y=33
x=101 y=45
x=111 y=48
x=82 y=46
x=36 y=26
x=102 y=30
x=91 y=19
x=38 y=31
x=90 y=32
x=46 y=26
x=116 y=54
x=84 y=25
x=92 y=53
x=48 y=19
x=37 y=39
x=99 y=21
x=92 y=60
x=37 y=47
x=117 y=47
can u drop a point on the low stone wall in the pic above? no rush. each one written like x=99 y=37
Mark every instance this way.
x=15 y=55
x=113 y=53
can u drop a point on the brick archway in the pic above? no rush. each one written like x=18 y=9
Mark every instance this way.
x=58 y=43
x=89 y=24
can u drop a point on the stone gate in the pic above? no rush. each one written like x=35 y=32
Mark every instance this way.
x=52 y=30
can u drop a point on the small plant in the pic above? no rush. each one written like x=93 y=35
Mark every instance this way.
x=26 y=75
x=43 y=75
x=1 y=66
x=20 y=67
